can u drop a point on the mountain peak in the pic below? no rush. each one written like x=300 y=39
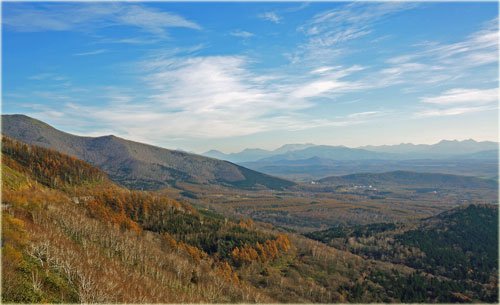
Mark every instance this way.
x=292 y=147
x=212 y=151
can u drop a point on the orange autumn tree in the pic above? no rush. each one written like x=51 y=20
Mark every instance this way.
x=194 y=252
x=269 y=250
x=226 y=272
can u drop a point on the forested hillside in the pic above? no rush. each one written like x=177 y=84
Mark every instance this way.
x=71 y=235
x=460 y=245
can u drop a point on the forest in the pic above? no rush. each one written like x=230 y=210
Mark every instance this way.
x=460 y=246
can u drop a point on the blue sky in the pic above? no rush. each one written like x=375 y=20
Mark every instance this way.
x=228 y=76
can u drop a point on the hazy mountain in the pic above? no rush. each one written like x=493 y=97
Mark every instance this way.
x=434 y=180
x=445 y=148
x=215 y=154
x=135 y=164
x=253 y=154
x=404 y=151
x=329 y=152
x=467 y=157
x=292 y=147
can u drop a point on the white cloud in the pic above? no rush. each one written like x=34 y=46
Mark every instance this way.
x=464 y=96
x=270 y=16
x=241 y=34
x=88 y=16
x=186 y=96
x=154 y=21
x=322 y=70
x=364 y=114
x=95 y=52
x=320 y=87
x=460 y=101
x=453 y=111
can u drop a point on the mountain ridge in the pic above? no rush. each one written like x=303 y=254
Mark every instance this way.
x=400 y=177
x=135 y=164
x=254 y=154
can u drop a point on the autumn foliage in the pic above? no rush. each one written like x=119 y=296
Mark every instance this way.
x=269 y=250
x=50 y=167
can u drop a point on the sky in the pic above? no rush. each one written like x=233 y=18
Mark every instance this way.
x=229 y=76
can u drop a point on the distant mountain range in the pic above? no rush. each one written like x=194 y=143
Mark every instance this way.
x=137 y=165
x=304 y=162
x=466 y=149
x=254 y=154
x=444 y=148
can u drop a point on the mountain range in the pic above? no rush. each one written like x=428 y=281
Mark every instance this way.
x=143 y=166
x=134 y=164
x=442 y=150
x=254 y=154
x=466 y=157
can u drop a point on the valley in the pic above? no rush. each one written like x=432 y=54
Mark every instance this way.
x=307 y=207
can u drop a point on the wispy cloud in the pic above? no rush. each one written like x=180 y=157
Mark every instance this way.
x=350 y=21
x=434 y=62
x=130 y=40
x=329 y=29
x=454 y=111
x=47 y=76
x=212 y=97
x=95 y=52
x=479 y=48
x=460 y=101
x=270 y=16
x=364 y=114
x=329 y=81
x=464 y=96
x=241 y=34
x=88 y=16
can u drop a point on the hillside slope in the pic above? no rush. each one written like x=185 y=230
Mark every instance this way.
x=69 y=235
x=460 y=244
x=134 y=164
